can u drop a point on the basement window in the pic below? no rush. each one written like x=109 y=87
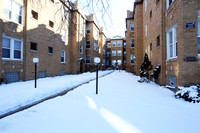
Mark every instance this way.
x=51 y=24
x=33 y=46
x=34 y=15
x=50 y=50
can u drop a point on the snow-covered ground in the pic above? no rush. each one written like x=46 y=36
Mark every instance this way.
x=16 y=95
x=122 y=105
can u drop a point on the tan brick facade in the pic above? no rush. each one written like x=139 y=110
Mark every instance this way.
x=50 y=31
x=161 y=31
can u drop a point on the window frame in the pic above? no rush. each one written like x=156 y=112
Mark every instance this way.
x=114 y=52
x=50 y=50
x=114 y=43
x=132 y=58
x=132 y=43
x=119 y=53
x=86 y=59
x=63 y=35
x=12 y=49
x=169 y=4
x=12 y=13
x=63 y=56
x=172 y=43
x=88 y=44
x=31 y=47
x=132 y=26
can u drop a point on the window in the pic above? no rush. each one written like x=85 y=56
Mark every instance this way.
x=81 y=49
x=104 y=62
x=172 y=42
x=12 y=48
x=150 y=47
x=63 y=35
x=51 y=24
x=132 y=42
x=119 y=53
x=132 y=59
x=157 y=2
x=62 y=56
x=119 y=43
x=50 y=50
x=145 y=29
x=13 y=11
x=95 y=46
x=104 y=51
x=64 y=13
x=114 y=44
x=124 y=53
x=199 y=33
x=169 y=2
x=113 y=53
x=87 y=59
x=107 y=62
x=158 y=41
x=108 y=45
x=145 y=5
x=150 y=15
x=34 y=15
x=88 y=44
x=108 y=54
x=124 y=44
x=33 y=46
x=132 y=27
x=87 y=29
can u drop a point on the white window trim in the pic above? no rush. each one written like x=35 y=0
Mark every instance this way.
x=63 y=56
x=145 y=29
x=12 y=49
x=119 y=43
x=119 y=53
x=114 y=53
x=114 y=43
x=132 y=26
x=145 y=5
x=174 y=41
x=12 y=12
x=132 y=56
x=167 y=3
x=63 y=35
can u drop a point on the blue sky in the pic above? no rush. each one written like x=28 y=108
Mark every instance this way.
x=114 y=23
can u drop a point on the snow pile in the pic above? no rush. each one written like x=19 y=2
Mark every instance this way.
x=190 y=94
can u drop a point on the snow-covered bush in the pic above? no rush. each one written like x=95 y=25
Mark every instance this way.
x=190 y=94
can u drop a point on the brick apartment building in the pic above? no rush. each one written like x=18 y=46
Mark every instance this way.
x=130 y=43
x=93 y=42
x=53 y=31
x=115 y=52
x=168 y=31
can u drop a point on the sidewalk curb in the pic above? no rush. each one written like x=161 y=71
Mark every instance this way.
x=47 y=98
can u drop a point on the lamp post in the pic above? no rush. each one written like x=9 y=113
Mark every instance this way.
x=35 y=60
x=97 y=61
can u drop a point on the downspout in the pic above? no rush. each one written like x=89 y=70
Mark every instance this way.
x=24 y=38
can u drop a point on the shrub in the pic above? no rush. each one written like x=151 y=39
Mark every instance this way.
x=190 y=94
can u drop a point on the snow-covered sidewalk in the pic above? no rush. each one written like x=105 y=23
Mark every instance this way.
x=122 y=106
x=21 y=94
